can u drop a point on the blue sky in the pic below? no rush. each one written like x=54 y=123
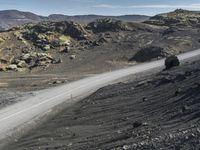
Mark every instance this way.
x=101 y=7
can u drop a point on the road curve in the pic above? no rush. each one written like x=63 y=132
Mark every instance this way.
x=20 y=113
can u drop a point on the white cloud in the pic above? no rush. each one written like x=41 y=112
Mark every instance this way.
x=106 y=6
x=191 y=6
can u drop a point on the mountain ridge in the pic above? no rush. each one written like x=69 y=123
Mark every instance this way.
x=12 y=18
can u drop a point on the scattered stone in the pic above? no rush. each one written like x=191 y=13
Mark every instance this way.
x=164 y=80
x=1 y=40
x=57 y=82
x=72 y=56
x=3 y=61
x=178 y=91
x=126 y=147
x=12 y=67
x=184 y=108
x=144 y=99
x=65 y=49
x=2 y=68
x=46 y=47
x=96 y=43
x=180 y=77
x=58 y=61
x=22 y=64
x=137 y=124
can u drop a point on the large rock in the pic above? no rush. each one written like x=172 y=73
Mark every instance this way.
x=148 y=53
x=103 y=25
x=34 y=59
x=171 y=61
x=70 y=29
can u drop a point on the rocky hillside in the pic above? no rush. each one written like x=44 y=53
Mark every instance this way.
x=42 y=44
x=104 y=43
x=12 y=18
x=179 y=17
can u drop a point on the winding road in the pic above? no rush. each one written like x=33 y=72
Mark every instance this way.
x=21 y=113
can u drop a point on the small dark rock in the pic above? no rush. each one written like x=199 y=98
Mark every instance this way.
x=178 y=91
x=58 y=61
x=171 y=61
x=96 y=43
x=180 y=77
x=144 y=99
x=72 y=57
x=57 y=82
x=137 y=124
x=184 y=108
x=164 y=80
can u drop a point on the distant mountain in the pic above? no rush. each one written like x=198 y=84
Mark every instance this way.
x=11 y=18
x=90 y=18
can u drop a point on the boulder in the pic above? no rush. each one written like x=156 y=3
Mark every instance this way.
x=148 y=53
x=171 y=61
x=34 y=59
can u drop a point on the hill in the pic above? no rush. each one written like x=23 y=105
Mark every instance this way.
x=178 y=17
x=11 y=18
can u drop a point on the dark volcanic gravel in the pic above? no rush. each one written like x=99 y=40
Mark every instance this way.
x=156 y=112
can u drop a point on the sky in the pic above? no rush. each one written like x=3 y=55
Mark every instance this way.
x=100 y=7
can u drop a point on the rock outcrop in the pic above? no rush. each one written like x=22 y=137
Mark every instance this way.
x=103 y=25
x=148 y=53
x=29 y=60
x=178 y=17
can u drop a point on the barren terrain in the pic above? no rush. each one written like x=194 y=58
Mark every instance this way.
x=150 y=111
x=40 y=55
